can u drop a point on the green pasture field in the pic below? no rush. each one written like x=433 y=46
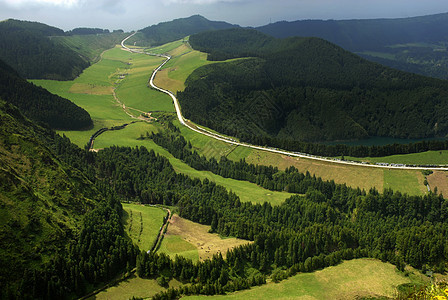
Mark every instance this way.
x=142 y=223
x=127 y=137
x=405 y=181
x=134 y=91
x=423 y=158
x=134 y=286
x=174 y=245
x=354 y=279
x=166 y=48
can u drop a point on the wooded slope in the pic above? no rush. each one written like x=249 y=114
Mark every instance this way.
x=307 y=89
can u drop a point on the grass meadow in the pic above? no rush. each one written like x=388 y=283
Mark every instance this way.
x=142 y=223
x=354 y=279
x=134 y=286
x=193 y=240
x=428 y=157
x=174 y=245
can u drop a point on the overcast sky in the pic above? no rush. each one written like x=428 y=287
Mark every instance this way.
x=137 y=14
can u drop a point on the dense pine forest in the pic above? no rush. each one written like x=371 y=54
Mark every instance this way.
x=307 y=89
x=39 y=104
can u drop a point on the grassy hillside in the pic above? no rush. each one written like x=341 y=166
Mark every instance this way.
x=40 y=105
x=27 y=48
x=179 y=28
x=415 y=44
x=306 y=89
x=42 y=199
x=355 y=279
x=90 y=46
x=142 y=224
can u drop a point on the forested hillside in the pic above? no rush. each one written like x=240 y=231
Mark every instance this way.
x=39 y=104
x=179 y=28
x=415 y=44
x=307 y=89
x=27 y=48
x=62 y=234
x=43 y=201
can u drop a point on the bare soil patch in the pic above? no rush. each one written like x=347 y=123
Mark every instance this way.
x=198 y=235
x=439 y=179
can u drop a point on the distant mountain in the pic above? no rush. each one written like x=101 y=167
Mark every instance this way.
x=415 y=44
x=307 y=89
x=39 y=104
x=179 y=28
x=84 y=31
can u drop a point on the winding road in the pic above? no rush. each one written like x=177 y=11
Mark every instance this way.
x=228 y=140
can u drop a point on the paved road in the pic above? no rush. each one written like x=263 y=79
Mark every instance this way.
x=273 y=150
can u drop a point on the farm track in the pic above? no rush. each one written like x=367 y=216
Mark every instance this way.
x=228 y=140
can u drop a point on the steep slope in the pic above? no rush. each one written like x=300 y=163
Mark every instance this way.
x=28 y=48
x=42 y=199
x=39 y=104
x=307 y=89
x=415 y=44
x=179 y=28
x=90 y=46
x=61 y=232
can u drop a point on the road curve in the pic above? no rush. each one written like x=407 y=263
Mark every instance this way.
x=273 y=150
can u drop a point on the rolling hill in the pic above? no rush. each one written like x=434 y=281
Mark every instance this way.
x=307 y=89
x=26 y=47
x=39 y=104
x=179 y=28
x=416 y=44
x=39 y=51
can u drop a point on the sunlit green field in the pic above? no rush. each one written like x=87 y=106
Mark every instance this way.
x=405 y=181
x=133 y=91
x=93 y=90
x=174 y=245
x=142 y=223
x=133 y=287
x=428 y=157
x=354 y=279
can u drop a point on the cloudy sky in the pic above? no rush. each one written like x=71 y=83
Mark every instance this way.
x=136 y=14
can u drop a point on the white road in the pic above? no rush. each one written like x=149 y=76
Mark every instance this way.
x=273 y=150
